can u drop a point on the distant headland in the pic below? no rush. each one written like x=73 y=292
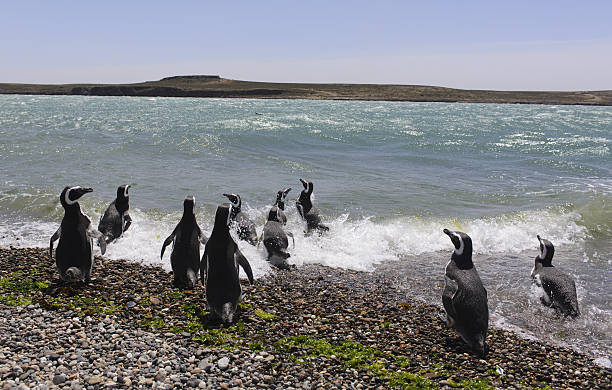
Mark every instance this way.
x=214 y=86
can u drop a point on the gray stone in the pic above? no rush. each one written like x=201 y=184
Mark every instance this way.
x=59 y=379
x=223 y=363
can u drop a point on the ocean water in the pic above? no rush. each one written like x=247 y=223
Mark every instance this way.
x=388 y=177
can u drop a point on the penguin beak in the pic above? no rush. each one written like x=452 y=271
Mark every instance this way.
x=453 y=238
x=76 y=193
x=539 y=238
x=304 y=183
x=287 y=190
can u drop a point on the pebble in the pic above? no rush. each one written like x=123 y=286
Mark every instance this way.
x=223 y=363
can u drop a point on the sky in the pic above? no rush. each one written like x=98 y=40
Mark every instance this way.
x=511 y=45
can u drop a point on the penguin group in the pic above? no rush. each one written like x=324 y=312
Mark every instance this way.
x=464 y=297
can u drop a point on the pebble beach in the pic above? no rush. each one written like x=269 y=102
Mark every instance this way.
x=312 y=327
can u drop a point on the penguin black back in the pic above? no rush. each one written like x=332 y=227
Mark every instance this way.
x=220 y=261
x=306 y=209
x=187 y=237
x=279 y=206
x=116 y=219
x=304 y=200
x=464 y=297
x=244 y=226
x=559 y=289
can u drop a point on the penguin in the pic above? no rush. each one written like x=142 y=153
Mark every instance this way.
x=74 y=253
x=275 y=240
x=559 y=288
x=464 y=297
x=186 y=238
x=220 y=263
x=116 y=219
x=307 y=211
x=279 y=206
x=244 y=226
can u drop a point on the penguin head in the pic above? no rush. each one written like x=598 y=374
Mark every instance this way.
x=547 y=251
x=463 y=248
x=70 y=195
x=222 y=218
x=235 y=201
x=305 y=199
x=189 y=205
x=281 y=196
x=308 y=186
x=122 y=192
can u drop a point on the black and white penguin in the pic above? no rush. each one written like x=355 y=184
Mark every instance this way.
x=186 y=238
x=244 y=226
x=464 y=297
x=116 y=218
x=220 y=263
x=279 y=206
x=307 y=210
x=559 y=289
x=74 y=253
x=275 y=240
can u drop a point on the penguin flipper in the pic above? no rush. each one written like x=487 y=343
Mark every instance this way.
x=166 y=243
x=300 y=210
x=54 y=238
x=292 y=239
x=95 y=233
x=448 y=295
x=323 y=228
x=244 y=263
x=128 y=221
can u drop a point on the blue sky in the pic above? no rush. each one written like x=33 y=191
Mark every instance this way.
x=528 y=45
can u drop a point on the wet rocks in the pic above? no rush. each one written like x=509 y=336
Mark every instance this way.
x=314 y=327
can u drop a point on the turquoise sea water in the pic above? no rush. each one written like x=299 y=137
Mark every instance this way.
x=388 y=178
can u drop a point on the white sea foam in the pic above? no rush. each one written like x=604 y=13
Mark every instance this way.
x=351 y=244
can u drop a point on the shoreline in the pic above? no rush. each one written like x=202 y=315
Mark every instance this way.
x=217 y=87
x=312 y=327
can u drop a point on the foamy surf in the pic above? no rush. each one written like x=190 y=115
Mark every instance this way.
x=352 y=243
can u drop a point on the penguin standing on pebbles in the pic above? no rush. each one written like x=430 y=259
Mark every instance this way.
x=464 y=297
x=244 y=226
x=187 y=237
x=74 y=254
x=307 y=210
x=116 y=219
x=559 y=289
x=220 y=264
x=279 y=207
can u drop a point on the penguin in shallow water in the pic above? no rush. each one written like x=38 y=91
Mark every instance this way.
x=559 y=289
x=307 y=210
x=244 y=226
x=220 y=263
x=185 y=257
x=464 y=297
x=74 y=253
x=279 y=207
x=116 y=219
x=275 y=240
